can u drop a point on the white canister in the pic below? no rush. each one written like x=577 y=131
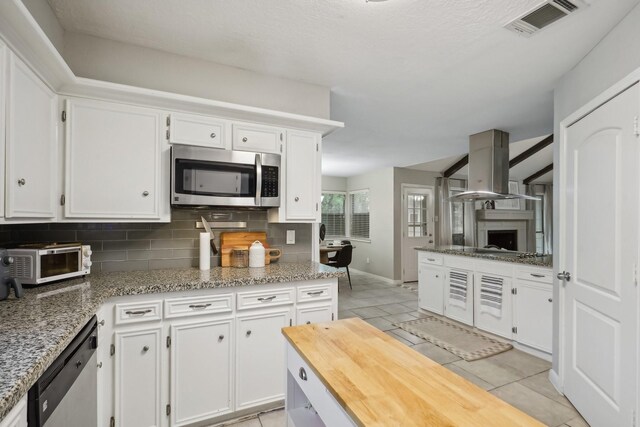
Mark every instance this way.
x=256 y=254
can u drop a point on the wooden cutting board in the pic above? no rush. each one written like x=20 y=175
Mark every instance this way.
x=229 y=240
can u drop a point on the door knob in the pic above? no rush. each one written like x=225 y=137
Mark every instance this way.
x=565 y=275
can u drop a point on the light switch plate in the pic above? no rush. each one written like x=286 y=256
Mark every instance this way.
x=291 y=237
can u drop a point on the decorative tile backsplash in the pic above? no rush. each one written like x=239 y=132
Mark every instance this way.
x=149 y=246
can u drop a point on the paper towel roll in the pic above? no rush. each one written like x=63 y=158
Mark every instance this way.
x=205 y=251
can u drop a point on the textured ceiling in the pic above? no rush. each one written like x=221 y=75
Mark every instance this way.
x=410 y=78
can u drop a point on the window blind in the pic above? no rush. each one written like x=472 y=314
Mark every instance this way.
x=333 y=213
x=359 y=214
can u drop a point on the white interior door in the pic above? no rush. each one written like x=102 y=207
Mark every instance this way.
x=417 y=227
x=600 y=252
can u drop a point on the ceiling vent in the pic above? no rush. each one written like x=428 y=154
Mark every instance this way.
x=543 y=15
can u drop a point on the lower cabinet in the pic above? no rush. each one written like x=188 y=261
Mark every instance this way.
x=200 y=364
x=260 y=359
x=459 y=295
x=431 y=288
x=492 y=303
x=533 y=311
x=138 y=377
x=17 y=417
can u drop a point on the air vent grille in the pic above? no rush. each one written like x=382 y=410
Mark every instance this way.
x=21 y=266
x=543 y=15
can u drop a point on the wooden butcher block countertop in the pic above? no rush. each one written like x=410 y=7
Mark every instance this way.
x=381 y=382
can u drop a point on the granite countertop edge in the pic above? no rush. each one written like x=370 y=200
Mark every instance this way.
x=20 y=385
x=534 y=262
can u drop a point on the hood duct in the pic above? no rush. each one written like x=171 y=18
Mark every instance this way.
x=488 y=169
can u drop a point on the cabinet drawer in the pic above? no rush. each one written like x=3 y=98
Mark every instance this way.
x=138 y=312
x=195 y=306
x=263 y=139
x=331 y=413
x=430 y=258
x=319 y=292
x=247 y=300
x=534 y=274
x=197 y=130
x=460 y=262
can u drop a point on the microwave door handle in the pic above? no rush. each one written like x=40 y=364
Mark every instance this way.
x=258 y=179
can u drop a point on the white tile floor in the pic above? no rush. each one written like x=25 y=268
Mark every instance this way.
x=514 y=376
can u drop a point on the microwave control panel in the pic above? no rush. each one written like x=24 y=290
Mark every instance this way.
x=270 y=181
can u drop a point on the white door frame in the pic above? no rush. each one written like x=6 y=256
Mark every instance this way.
x=404 y=224
x=560 y=260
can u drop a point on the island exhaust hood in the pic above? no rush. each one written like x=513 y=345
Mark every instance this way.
x=488 y=169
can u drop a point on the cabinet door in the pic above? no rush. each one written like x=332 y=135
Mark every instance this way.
x=431 y=288
x=3 y=102
x=113 y=158
x=459 y=296
x=533 y=314
x=314 y=313
x=200 y=370
x=31 y=144
x=492 y=304
x=302 y=175
x=198 y=130
x=260 y=358
x=138 y=377
x=17 y=417
x=261 y=139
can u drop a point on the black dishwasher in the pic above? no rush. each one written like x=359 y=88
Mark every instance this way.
x=66 y=394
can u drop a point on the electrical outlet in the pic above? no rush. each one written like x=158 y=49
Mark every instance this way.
x=368 y=261
x=291 y=237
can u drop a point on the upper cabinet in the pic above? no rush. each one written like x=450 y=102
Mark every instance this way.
x=258 y=138
x=31 y=144
x=197 y=130
x=116 y=161
x=303 y=176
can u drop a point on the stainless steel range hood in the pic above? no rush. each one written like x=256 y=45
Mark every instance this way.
x=488 y=169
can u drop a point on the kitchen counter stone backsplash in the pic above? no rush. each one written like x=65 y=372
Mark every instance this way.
x=150 y=246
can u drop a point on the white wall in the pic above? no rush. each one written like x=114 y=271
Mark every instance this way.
x=112 y=61
x=44 y=16
x=334 y=183
x=617 y=55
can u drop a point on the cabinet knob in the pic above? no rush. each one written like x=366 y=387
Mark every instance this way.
x=303 y=374
x=221 y=337
x=248 y=332
x=244 y=139
x=213 y=135
x=145 y=193
x=145 y=348
x=308 y=322
x=550 y=300
x=22 y=181
x=437 y=276
x=297 y=198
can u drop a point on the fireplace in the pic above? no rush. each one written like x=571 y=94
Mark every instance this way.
x=504 y=239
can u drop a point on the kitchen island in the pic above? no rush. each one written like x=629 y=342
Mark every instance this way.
x=34 y=330
x=348 y=373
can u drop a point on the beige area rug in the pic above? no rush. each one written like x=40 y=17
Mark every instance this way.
x=462 y=341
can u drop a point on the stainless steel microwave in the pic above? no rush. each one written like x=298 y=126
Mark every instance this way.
x=203 y=176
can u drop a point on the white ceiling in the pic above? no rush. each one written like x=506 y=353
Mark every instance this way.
x=519 y=172
x=410 y=78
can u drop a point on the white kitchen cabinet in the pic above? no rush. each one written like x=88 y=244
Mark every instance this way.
x=117 y=163
x=260 y=358
x=431 y=284
x=200 y=369
x=257 y=138
x=203 y=131
x=3 y=102
x=492 y=303
x=138 y=377
x=314 y=313
x=303 y=174
x=533 y=310
x=17 y=417
x=459 y=295
x=31 y=144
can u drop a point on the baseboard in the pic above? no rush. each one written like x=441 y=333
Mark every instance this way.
x=554 y=378
x=532 y=351
x=375 y=276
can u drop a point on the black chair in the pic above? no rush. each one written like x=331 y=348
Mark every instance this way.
x=342 y=242
x=343 y=259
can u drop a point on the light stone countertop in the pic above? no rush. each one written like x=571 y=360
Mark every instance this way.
x=35 y=329
x=541 y=261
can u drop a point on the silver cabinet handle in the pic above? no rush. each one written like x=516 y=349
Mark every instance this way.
x=101 y=323
x=431 y=259
x=267 y=299
x=303 y=374
x=244 y=139
x=145 y=348
x=297 y=198
x=437 y=277
x=314 y=293
x=249 y=332
x=199 y=306
x=550 y=299
x=213 y=135
x=22 y=181
x=145 y=193
x=138 y=312
x=537 y=275
x=221 y=337
x=565 y=275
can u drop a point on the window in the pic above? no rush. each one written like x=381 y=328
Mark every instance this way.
x=333 y=213
x=457 y=219
x=539 y=216
x=359 y=214
x=417 y=215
